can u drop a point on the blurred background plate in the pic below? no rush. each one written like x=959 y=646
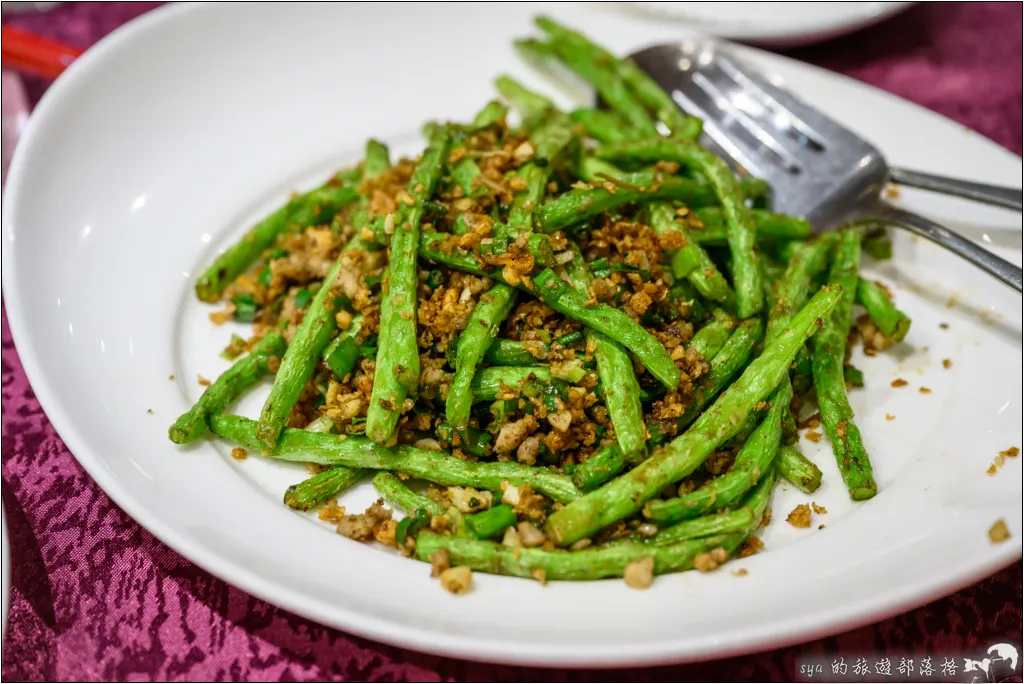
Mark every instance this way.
x=778 y=24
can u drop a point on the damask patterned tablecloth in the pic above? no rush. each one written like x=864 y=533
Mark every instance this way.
x=96 y=597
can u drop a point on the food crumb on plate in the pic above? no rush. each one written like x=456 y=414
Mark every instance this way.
x=899 y=382
x=924 y=390
x=820 y=510
x=800 y=516
x=944 y=326
x=813 y=435
x=149 y=411
x=999 y=532
x=946 y=363
x=203 y=381
x=1000 y=459
x=457 y=580
x=742 y=572
x=889 y=416
x=171 y=376
x=238 y=453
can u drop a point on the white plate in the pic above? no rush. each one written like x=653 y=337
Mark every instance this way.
x=163 y=142
x=778 y=24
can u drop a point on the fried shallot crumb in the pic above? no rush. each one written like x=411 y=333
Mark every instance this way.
x=541 y=575
x=944 y=326
x=239 y=454
x=899 y=382
x=331 y=512
x=639 y=574
x=710 y=560
x=742 y=572
x=889 y=416
x=924 y=390
x=946 y=363
x=813 y=435
x=751 y=545
x=203 y=381
x=820 y=510
x=365 y=526
x=800 y=516
x=457 y=580
x=999 y=532
x=440 y=561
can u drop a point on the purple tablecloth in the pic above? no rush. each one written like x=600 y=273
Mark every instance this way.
x=96 y=597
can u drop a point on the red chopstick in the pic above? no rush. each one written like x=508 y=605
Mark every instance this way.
x=32 y=54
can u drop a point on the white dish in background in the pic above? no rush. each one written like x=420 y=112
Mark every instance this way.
x=775 y=24
x=165 y=141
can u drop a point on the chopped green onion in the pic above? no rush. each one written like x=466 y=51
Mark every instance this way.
x=245 y=307
x=302 y=299
x=343 y=359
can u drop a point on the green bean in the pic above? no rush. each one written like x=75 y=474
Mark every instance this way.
x=549 y=141
x=579 y=205
x=729 y=360
x=492 y=113
x=504 y=352
x=649 y=93
x=487 y=382
x=716 y=523
x=593 y=563
x=398 y=494
x=397 y=370
x=600 y=125
x=829 y=352
x=600 y=466
x=797 y=469
x=625 y=495
x=770 y=226
x=609 y=85
x=713 y=335
x=483 y=325
x=612 y=322
x=301 y=211
x=752 y=461
x=299 y=362
x=621 y=393
x=466 y=174
x=893 y=323
x=690 y=261
x=747 y=276
x=491 y=522
x=377 y=159
x=342 y=354
x=228 y=386
x=533 y=107
x=315 y=490
x=878 y=246
x=808 y=260
x=360 y=452
x=619 y=385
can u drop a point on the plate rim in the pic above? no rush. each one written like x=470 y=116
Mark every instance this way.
x=805 y=34
x=364 y=624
